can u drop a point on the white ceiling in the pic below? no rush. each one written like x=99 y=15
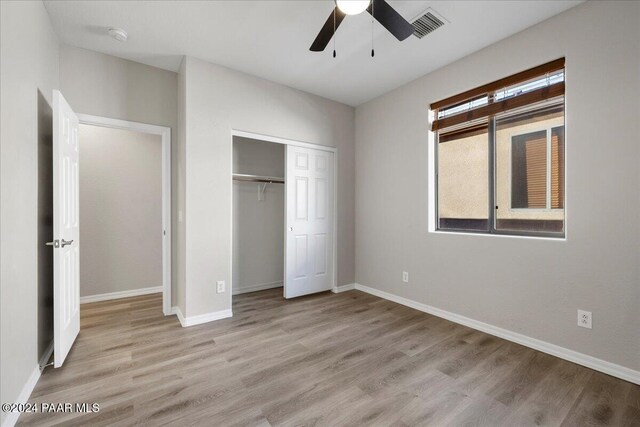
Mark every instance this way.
x=271 y=39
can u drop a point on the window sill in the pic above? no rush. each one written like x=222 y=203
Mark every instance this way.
x=508 y=236
x=532 y=210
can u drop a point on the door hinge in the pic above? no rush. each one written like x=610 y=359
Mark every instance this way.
x=55 y=243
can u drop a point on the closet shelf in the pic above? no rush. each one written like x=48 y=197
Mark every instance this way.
x=258 y=178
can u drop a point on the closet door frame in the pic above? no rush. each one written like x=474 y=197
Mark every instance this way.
x=286 y=141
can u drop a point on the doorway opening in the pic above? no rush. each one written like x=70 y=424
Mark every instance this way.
x=125 y=210
x=283 y=214
x=259 y=211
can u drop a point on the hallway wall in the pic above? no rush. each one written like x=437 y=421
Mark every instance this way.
x=120 y=210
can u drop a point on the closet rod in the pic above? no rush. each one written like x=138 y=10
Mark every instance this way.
x=258 y=178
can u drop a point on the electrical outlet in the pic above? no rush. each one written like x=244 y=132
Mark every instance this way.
x=220 y=285
x=405 y=277
x=584 y=319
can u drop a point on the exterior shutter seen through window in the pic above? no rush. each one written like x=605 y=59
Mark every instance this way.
x=529 y=171
x=557 y=168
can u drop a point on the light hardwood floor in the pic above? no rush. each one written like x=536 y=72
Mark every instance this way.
x=346 y=359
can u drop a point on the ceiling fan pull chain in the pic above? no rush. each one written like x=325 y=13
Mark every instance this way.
x=334 y=33
x=373 y=53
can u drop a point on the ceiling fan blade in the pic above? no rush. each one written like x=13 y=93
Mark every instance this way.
x=390 y=19
x=326 y=33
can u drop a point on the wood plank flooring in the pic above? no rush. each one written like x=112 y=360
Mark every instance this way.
x=326 y=360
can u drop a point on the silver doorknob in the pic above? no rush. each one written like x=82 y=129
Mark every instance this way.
x=55 y=243
x=290 y=228
x=65 y=242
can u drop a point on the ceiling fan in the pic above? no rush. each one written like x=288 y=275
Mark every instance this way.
x=379 y=9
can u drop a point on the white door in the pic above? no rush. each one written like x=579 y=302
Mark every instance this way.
x=309 y=226
x=66 y=283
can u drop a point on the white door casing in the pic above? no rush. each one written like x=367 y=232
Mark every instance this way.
x=165 y=134
x=309 y=260
x=66 y=249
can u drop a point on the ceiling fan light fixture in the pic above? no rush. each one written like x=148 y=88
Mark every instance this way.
x=352 y=7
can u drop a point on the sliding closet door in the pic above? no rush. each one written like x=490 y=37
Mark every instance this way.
x=309 y=223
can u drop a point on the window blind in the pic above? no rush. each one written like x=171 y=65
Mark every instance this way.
x=527 y=87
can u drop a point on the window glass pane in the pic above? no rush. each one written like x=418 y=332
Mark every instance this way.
x=466 y=106
x=463 y=180
x=537 y=83
x=530 y=169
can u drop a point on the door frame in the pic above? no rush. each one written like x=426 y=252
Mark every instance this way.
x=165 y=133
x=286 y=141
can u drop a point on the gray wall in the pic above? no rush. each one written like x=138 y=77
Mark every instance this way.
x=258 y=225
x=103 y=85
x=28 y=73
x=530 y=286
x=218 y=100
x=120 y=210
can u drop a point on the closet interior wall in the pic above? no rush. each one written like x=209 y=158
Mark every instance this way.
x=258 y=225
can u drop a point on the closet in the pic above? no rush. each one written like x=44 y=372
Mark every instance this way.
x=283 y=216
x=258 y=215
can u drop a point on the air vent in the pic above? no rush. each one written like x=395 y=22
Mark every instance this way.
x=427 y=23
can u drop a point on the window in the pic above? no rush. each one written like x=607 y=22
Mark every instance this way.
x=500 y=155
x=537 y=169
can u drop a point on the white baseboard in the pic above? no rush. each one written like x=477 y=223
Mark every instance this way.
x=343 y=288
x=121 y=294
x=25 y=393
x=180 y=316
x=23 y=397
x=609 y=368
x=255 y=288
x=202 y=318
